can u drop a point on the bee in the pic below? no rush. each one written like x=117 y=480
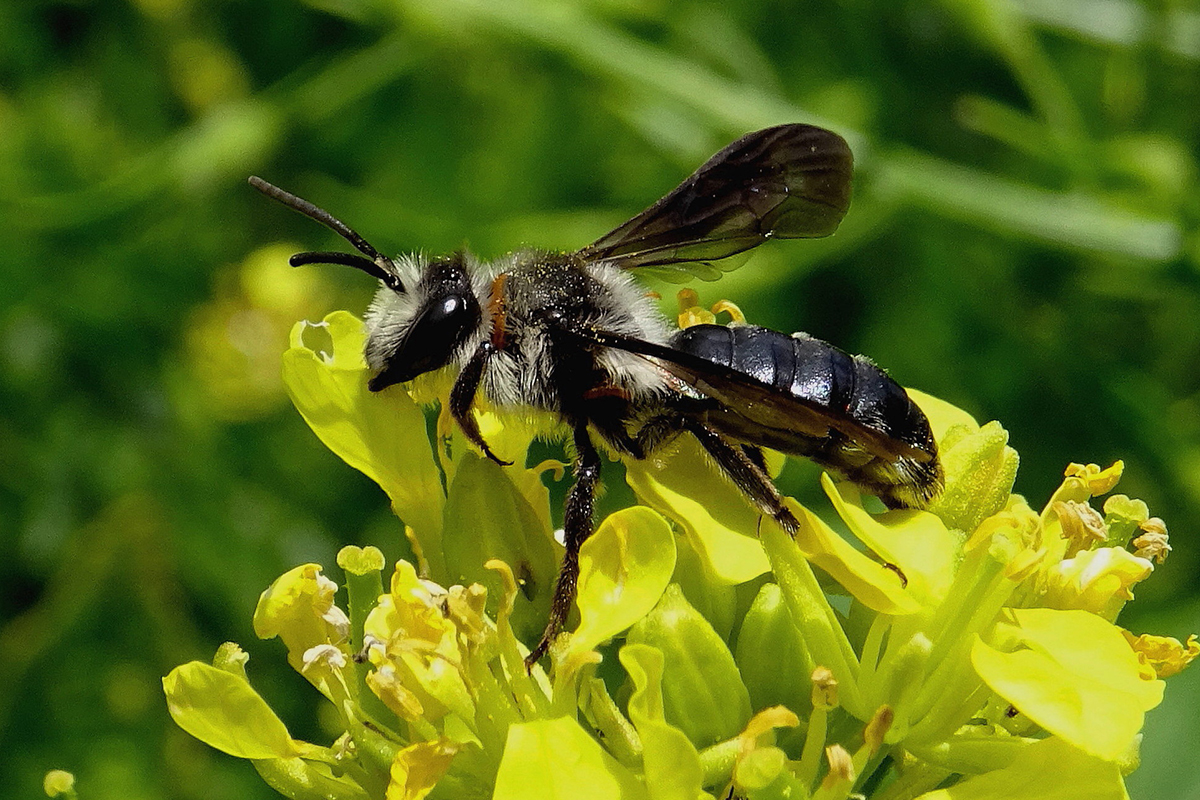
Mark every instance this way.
x=573 y=334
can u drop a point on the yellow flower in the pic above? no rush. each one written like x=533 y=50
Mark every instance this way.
x=298 y=608
x=972 y=640
x=1098 y=481
x=1073 y=674
x=1098 y=580
x=414 y=647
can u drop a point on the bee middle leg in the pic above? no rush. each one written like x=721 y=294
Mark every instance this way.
x=577 y=527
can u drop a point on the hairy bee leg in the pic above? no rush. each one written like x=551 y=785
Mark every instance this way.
x=577 y=527
x=745 y=474
x=659 y=430
x=462 y=397
x=755 y=454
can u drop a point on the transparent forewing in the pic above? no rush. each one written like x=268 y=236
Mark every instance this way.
x=790 y=181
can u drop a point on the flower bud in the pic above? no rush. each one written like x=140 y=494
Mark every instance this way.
x=703 y=693
x=59 y=782
x=980 y=469
x=769 y=638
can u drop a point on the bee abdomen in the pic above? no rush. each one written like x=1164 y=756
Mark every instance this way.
x=851 y=417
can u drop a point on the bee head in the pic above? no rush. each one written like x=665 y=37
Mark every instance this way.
x=412 y=331
x=420 y=331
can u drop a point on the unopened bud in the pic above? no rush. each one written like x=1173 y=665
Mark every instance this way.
x=59 y=782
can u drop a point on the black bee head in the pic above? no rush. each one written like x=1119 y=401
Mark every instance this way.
x=413 y=330
x=418 y=332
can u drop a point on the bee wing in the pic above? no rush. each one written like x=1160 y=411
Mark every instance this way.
x=790 y=181
x=759 y=402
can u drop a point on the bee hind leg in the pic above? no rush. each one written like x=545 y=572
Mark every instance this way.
x=746 y=471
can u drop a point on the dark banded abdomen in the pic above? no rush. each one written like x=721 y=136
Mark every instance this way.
x=806 y=397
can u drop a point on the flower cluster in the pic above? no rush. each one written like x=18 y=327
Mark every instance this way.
x=966 y=651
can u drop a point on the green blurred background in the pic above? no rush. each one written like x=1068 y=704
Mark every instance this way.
x=1023 y=242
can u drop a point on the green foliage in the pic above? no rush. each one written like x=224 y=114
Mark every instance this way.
x=1023 y=241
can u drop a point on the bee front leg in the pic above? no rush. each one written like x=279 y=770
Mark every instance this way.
x=462 y=397
x=577 y=527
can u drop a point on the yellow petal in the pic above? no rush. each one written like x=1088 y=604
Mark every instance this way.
x=1099 y=481
x=381 y=434
x=298 y=608
x=1074 y=675
x=1098 y=580
x=684 y=487
x=623 y=570
x=418 y=767
x=942 y=416
x=1047 y=770
x=223 y=711
x=868 y=581
x=555 y=759
x=915 y=541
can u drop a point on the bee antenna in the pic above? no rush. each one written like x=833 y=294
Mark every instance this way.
x=376 y=264
x=368 y=266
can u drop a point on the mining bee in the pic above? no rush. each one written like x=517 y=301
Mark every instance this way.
x=572 y=334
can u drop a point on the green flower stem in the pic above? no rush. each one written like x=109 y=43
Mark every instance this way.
x=369 y=763
x=423 y=731
x=494 y=706
x=297 y=778
x=374 y=748
x=881 y=625
x=814 y=747
x=364 y=585
x=974 y=600
x=951 y=651
x=620 y=736
x=900 y=675
x=532 y=702
x=914 y=780
x=964 y=695
x=812 y=614
x=718 y=761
